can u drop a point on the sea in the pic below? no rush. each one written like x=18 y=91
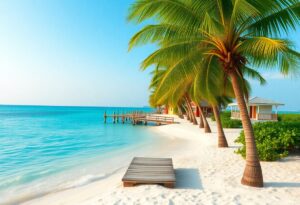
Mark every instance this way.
x=44 y=149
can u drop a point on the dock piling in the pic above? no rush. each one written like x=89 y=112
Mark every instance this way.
x=105 y=116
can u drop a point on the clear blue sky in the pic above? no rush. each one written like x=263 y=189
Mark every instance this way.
x=74 y=52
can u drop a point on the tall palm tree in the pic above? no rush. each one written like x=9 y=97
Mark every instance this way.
x=227 y=36
x=222 y=142
x=185 y=75
x=205 y=123
x=168 y=81
x=201 y=121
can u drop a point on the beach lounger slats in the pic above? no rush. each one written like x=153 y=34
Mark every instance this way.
x=150 y=171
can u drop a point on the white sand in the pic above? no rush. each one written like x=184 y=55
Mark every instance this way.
x=205 y=175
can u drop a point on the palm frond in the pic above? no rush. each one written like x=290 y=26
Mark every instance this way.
x=175 y=11
x=280 y=19
x=253 y=74
x=271 y=53
x=241 y=11
x=168 y=55
x=158 y=33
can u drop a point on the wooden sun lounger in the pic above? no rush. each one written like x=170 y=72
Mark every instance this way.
x=144 y=170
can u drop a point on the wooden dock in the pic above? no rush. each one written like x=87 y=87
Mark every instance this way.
x=138 y=118
x=150 y=171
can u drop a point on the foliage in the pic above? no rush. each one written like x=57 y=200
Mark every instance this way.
x=204 y=47
x=227 y=122
x=274 y=140
x=289 y=117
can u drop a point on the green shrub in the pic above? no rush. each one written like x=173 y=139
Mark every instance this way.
x=274 y=140
x=289 y=117
x=227 y=122
x=223 y=114
x=226 y=114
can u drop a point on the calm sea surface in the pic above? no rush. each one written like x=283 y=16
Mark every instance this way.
x=37 y=142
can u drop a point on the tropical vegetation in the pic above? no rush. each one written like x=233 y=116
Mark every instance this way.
x=274 y=140
x=289 y=117
x=207 y=48
x=227 y=122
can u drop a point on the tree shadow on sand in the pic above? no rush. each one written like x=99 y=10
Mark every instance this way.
x=235 y=146
x=282 y=184
x=188 y=179
x=293 y=157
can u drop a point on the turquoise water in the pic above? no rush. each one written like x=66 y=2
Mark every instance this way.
x=40 y=141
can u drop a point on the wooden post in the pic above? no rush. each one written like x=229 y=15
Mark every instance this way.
x=114 y=117
x=169 y=184
x=123 y=118
x=128 y=184
x=105 y=116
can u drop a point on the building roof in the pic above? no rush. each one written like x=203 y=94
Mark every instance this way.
x=202 y=103
x=259 y=101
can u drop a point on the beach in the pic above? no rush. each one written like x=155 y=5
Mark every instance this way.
x=205 y=174
x=101 y=102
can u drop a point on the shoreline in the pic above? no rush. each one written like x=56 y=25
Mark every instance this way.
x=93 y=169
x=205 y=175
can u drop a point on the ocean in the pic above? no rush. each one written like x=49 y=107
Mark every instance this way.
x=52 y=147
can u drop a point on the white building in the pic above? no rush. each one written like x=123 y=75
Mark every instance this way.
x=259 y=109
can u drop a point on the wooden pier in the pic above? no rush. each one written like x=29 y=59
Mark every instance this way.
x=138 y=118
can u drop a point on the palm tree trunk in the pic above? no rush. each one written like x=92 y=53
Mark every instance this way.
x=187 y=113
x=206 y=125
x=252 y=174
x=201 y=123
x=180 y=114
x=193 y=118
x=222 y=142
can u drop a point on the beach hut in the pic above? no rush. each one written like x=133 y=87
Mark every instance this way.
x=168 y=110
x=207 y=110
x=259 y=109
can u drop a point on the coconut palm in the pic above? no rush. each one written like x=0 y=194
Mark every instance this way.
x=202 y=119
x=176 y=96
x=186 y=73
x=228 y=36
x=222 y=142
x=176 y=82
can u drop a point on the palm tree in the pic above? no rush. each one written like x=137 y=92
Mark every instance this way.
x=227 y=36
x=175 y=88
x=205 y=123
x=175 y=96
x=183 y=75
x=222 y=142
x=201 y=121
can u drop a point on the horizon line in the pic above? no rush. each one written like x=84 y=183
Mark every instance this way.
x=92 y=106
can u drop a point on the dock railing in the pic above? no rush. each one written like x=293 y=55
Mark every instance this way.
x=259 y=116
x=267 y=116
x=139 y=117
x=160 y=118
x=154 y=118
